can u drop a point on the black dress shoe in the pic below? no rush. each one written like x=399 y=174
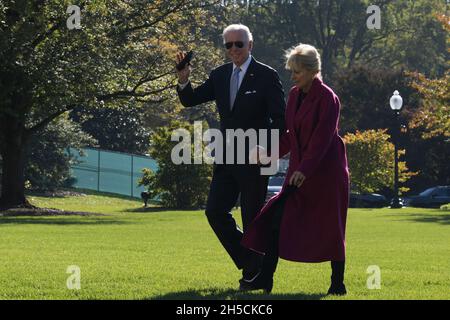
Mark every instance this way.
x=257 y=283
x=249 y=275
x=337 y=289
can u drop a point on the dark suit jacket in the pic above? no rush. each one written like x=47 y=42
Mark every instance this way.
x=259 y=103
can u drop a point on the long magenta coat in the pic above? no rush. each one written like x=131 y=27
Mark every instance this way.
x=313 y=224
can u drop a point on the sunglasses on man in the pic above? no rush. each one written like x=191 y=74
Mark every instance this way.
x=238 y=44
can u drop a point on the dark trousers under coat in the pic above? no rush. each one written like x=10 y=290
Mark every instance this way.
x=228 y=183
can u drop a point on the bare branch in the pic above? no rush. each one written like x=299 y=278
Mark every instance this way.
x=129 y=93
x=47 y=120
x=46 y=34
x=157 y=19
x=147 y=78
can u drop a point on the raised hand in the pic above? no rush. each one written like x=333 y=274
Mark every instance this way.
x=183 y=74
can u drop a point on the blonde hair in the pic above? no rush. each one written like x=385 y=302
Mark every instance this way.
x=303 y=55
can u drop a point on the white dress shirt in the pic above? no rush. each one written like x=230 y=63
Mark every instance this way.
x=244 y=68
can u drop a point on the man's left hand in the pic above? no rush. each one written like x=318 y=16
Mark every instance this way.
x=258 y=155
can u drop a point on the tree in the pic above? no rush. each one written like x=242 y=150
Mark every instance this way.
x=180 y=186
x=123 y=52
x=48 y=163
x=119 y=129
x=429 y=157
x=434 y=112
x=365 y=92
x=339 y=30
x=428 y=143
x=371 y=161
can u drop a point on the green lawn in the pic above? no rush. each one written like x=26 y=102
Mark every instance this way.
x=128 y=254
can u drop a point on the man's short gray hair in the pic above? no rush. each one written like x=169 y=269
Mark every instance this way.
x=238 y=27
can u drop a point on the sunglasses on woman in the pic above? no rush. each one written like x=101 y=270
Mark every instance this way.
x=238 y=44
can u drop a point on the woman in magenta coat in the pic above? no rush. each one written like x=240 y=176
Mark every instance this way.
x=306 y=221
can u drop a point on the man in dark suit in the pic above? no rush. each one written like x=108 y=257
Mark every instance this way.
x=248 y=95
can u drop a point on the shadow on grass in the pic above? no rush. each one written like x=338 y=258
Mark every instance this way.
x=158 y=209
x=440 y=219
x=74 y=192
x=59 y=221
x=437 y=216
x=148 y=209
x=233 y=294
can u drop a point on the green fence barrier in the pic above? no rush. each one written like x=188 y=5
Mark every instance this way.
x=109 y=171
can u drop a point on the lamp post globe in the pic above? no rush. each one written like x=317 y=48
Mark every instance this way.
x=396 y=103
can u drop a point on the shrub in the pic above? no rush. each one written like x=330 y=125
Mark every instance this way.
x=182 y=186
x=371 y=161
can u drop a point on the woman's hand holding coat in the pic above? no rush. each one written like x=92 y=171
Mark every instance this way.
x=297 y=179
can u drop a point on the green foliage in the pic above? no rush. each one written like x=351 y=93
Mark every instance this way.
x=434 y=113
x=123 y=53
x=429 y=157
x=149 y=180
x=48 y=163
x=409 y=38
x=365 y=92
x=180 y=186
x=119 y=129
x=371 y=161
x=124 y=50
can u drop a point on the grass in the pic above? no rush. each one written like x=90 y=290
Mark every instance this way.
x=130 y=254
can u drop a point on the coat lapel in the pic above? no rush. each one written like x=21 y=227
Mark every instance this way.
x=248 y=79
x=290 y=109
x=229 y=71
x=307 y=104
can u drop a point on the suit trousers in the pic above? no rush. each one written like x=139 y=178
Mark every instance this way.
x=228 y=183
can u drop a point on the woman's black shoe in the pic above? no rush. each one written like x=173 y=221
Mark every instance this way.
x=257 y=283
x=337 y=289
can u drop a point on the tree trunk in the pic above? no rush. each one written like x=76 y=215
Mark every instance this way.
x=13 y=165
x=327 y=70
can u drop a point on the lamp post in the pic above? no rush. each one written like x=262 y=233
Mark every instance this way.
x=396 y=103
